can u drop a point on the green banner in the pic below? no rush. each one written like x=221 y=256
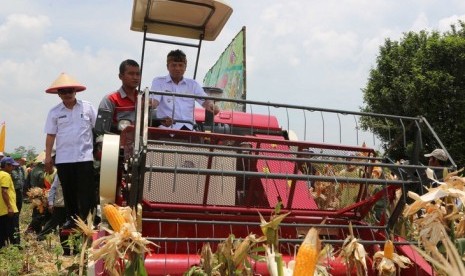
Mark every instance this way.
x=228 y=73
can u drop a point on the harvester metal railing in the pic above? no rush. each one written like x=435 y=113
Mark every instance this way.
x=186 y=178
x=294 y=154
x=419 y=123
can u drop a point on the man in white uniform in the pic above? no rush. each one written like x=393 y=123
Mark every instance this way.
x=178 y=112
x=70 y=125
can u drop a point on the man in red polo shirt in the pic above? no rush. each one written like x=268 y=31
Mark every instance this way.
x=122 y=102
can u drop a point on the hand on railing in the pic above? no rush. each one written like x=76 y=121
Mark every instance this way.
x=211 y=107
x=167 y=121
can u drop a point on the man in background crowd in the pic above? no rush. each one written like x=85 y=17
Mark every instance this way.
x=8 y=207
x=56 y=208
x=437 y=158
x=19 y=178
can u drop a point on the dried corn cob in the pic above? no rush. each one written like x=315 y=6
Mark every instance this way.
x=115 y=219
x=388 y=249
x=307 y=256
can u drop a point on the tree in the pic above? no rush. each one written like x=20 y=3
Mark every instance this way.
x=423 y=74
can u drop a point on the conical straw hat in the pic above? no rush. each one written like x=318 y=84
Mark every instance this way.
x=65 y=81
x=40 y=158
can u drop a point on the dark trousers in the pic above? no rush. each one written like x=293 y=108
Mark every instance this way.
x=19 y=204
x=38 y=220
x=16 y=235
x=19 y=199
x=56 y=219
x=7 y=230
x=77 y=181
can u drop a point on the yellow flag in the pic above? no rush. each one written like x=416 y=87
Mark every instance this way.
x=2 y=137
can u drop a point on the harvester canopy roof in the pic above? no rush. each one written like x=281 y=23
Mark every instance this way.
x=188 y=19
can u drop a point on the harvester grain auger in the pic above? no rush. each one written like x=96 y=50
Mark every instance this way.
x=201 y=186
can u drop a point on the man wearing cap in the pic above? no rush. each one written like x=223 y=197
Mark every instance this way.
x=179 y=109
x=19 y=177
x=8 y=207
x=122 y=102
x=70 y=125
x=437 y=158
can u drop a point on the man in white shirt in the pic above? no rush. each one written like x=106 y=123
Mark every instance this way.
x=178 y=112
x=70 y=125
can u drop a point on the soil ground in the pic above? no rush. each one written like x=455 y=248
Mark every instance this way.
x=35 y=257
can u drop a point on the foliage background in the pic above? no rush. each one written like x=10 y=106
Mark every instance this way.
x=423 y=74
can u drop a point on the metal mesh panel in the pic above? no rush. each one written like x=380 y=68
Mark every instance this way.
x=222 y=189
x=188 y=188
x=178 y=187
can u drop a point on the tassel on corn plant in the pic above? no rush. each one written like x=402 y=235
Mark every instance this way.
x=87 y=229
x=270 y=228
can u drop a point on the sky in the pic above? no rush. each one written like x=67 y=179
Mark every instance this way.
x=299 y=52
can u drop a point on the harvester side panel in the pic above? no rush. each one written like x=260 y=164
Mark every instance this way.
x=278 y=190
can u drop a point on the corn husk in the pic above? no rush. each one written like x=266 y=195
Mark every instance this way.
x=451 y=264
x=270 y=229
x=38 y=198
x=438 y=208
x=354 y=253
x=232 y=257
x=127 y=245
x=87 y=228
x=388 y=265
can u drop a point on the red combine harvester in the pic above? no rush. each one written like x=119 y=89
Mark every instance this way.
x=201 y=186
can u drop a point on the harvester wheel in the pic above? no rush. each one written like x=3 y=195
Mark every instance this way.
x=109 y=168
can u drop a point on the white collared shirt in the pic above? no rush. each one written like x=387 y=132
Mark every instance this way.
x=177 y=108
x=73 y=130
